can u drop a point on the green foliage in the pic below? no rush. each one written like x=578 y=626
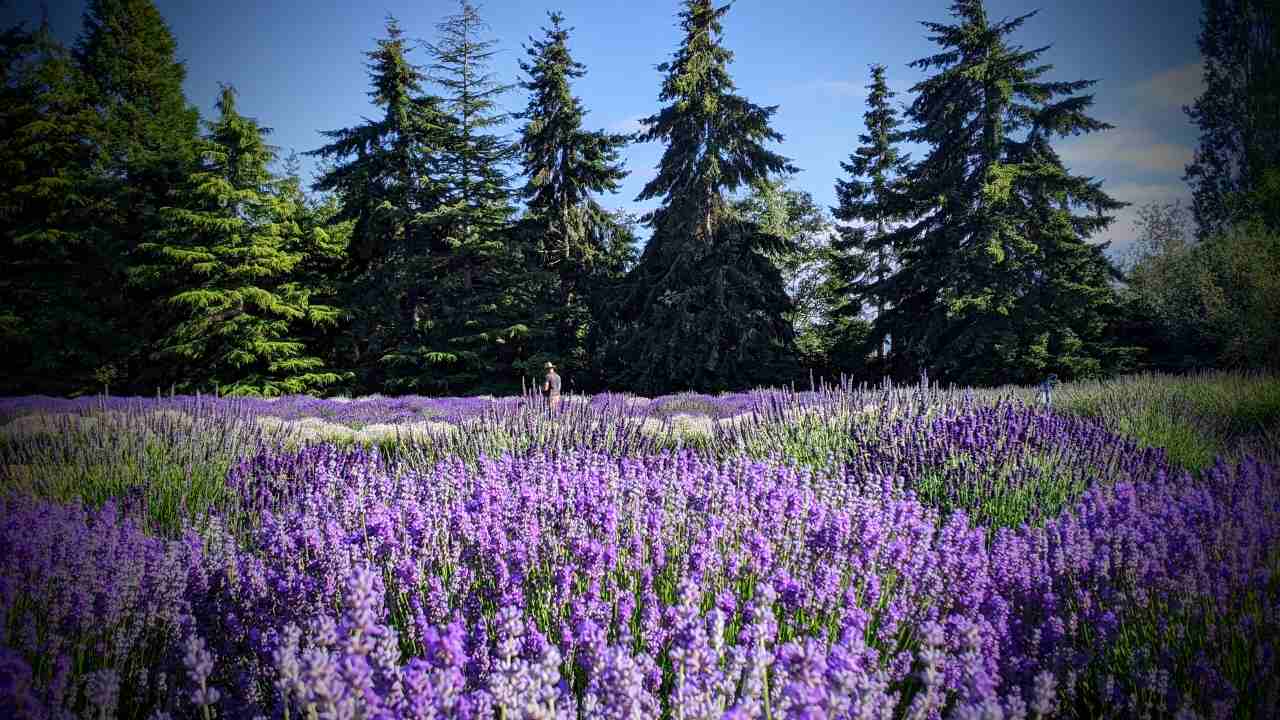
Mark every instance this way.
x=808 y=264
x=996 y=280
x=146 y=147
x=383 y=176
x=1217 y=301
x=1194 y=417
x=1236 y=114
x=705 y=308
x=57 y=321
x=863 y=257
x=469 y=325
x=565 y=167
x=230 y=251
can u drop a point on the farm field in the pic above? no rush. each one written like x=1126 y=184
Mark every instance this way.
x=878 y=552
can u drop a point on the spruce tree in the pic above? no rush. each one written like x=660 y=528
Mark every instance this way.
x=146 y=148
x=1238 y=113
x=474 y=330
x=705 y=308
x=565 y=167
x=229 y=248
x=997 y=281
x=863 y=257
x=383 y=176
x=55 y=328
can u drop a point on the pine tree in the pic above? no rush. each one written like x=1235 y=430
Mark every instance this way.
x=475 y=329
x=997 y=281
x=706 y=308
x=1238 y=113
x=565 y=167
x=863 y=256
x=55 y=328
x=229 y=248
x=145 y=142
x=383 y=175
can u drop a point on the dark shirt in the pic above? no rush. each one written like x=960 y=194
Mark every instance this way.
x=553 y=382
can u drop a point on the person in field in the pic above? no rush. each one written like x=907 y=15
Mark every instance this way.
x=551 y=386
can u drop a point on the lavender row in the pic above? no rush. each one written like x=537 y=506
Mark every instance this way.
x=584 y=585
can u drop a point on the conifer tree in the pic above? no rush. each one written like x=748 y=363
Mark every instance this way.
x=1238 y=114
x=229 y=247
x=54 y=327
x=705 y=307
x=862 y=255
x=474 y=327
x=565 y=167
x=383 y=174
x=145 y=142
x=997 y=281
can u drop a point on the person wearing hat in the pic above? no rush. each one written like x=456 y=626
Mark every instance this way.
x=551 y=386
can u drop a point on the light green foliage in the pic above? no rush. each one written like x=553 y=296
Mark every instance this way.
x=230 y=250
x=807 y=263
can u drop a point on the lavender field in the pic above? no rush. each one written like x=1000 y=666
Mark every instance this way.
x=878 y=552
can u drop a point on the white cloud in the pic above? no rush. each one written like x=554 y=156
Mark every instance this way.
x=1121 y=233
x=1134 y=148
x=1172 y=88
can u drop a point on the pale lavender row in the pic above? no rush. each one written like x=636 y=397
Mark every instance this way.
x=411 y=408
x=591 y=586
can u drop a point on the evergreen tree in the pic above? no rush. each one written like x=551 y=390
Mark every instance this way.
x=145 y=141
x=55 y=323
x=565 y=167
x=229 y=248
x=806 y=262
x=474 y=329
x=1238 y=113
x=383 y=176
x=863 y=255
x=997 y=281
x=706 y=308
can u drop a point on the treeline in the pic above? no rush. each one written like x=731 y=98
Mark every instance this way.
x=147 y=249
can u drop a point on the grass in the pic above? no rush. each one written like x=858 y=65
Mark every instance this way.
x=1194 y=418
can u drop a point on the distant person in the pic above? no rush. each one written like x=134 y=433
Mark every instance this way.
x=551 y=386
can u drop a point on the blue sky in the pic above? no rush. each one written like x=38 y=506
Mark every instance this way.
x=299 y=68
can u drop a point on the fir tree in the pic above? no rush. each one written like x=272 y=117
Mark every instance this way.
x=997 y=281
x=54 y=325
x=146 y=143
x=565 y=167
x=1238 y=113
x=383 y=175
x=229 y=246
x=862 y=255
x=474 y=328
x=706 y=308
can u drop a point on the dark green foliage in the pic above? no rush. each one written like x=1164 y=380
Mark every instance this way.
x=384 y=180
x=565 y=167
x=232 y=248
x=471 y=326
x=869 y=199
x=705 y=308
x=996 y=280
x=1210 y=303
x=1238 y=114
x=55 y=324
x=146 y=148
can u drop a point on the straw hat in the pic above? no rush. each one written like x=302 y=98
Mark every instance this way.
x=549 y=365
